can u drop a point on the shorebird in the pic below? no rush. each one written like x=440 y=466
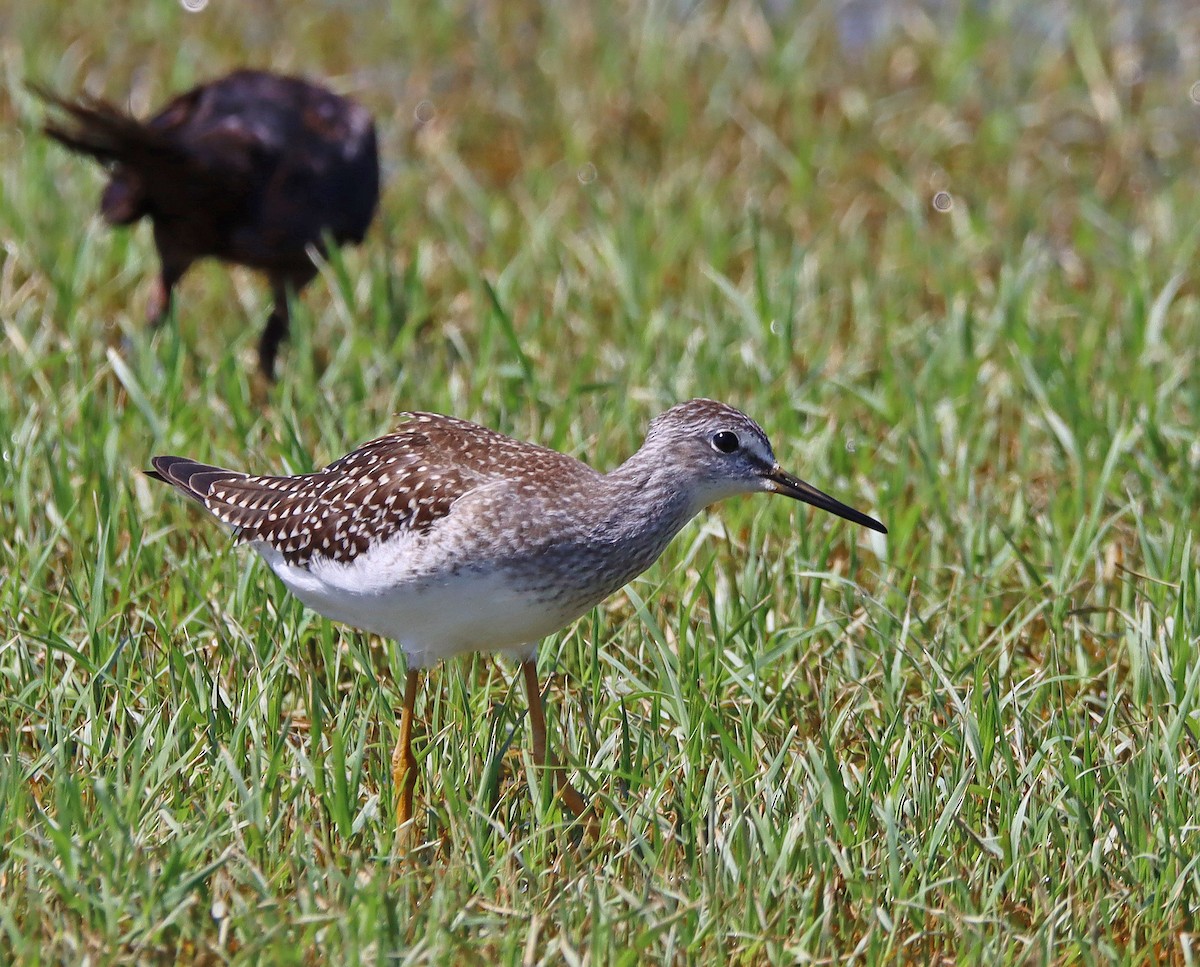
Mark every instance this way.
x=448 y=537
x=253 y=168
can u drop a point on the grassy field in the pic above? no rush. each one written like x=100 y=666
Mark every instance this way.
x=951 y=275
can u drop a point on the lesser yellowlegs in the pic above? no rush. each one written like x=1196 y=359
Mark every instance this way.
x=449 y=537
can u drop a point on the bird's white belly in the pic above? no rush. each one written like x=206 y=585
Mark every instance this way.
x=432 y=613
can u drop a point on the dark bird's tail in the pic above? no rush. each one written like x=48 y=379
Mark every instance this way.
x=97 y=128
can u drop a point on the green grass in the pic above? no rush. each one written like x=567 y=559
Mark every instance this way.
x=976 y=740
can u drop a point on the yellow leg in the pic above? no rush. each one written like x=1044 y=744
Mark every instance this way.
x=404 y=766
x=537 y=719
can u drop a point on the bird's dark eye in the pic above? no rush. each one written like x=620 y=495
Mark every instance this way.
x=726 y=441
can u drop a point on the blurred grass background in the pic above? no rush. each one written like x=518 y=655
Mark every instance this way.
x=942 y=254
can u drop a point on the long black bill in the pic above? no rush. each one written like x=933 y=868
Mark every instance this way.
x=789 y=486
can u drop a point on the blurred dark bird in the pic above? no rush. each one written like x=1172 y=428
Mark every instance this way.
x=252 y=168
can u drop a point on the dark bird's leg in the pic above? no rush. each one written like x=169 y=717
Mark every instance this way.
x=404 y=766
x=276 y=330
x=537 y=720
x=161 y=296
x=158 y=305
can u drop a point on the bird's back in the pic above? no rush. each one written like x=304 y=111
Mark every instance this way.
x=404 y=482
x=311 y=156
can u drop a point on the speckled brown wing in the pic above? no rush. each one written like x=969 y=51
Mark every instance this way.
x=403 y=481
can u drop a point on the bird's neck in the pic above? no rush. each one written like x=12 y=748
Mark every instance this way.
x=651 y=499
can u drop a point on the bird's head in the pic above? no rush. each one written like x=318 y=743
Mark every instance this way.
x=725 y=453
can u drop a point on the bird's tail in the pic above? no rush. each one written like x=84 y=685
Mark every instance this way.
x=99 y=129
x=193 y=479
x=95 y=127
